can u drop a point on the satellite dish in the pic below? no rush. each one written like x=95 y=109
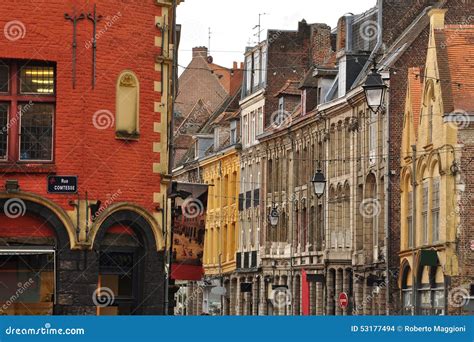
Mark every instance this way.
x=219 y=290
x=210 y=59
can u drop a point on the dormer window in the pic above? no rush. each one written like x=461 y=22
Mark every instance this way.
x=216 y=137
x=233 y=132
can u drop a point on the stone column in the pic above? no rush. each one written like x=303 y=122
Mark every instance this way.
x=382 y=301
x=232 y=295
x=263 y=297
x=312 y=298
x=338 y=291
x=246 y=300
x=330 y=293
x=367 y=299
x=345 y=287
x=358 y=294
x=255 y=294
x=199 y=299
x=239 y=308
x=319 y=299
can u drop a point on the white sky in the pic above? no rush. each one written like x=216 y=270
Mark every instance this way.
x=231 y=22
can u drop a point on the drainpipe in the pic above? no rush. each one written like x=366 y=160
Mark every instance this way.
x=413 y=235
x=168 y=251
x=388 y=212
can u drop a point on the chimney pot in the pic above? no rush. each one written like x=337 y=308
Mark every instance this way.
x=200 y=51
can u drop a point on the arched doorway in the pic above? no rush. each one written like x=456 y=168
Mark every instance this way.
x=131 y=275
x=34 y=241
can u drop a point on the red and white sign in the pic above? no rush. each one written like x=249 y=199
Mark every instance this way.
x=343 y=300
x=472 y=245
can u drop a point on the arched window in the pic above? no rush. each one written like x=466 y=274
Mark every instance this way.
x=407 y=290
x=435 y=204
x=127 y=106
x=431 y=291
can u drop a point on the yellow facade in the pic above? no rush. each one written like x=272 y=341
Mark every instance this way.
x=222 y=173
x=428 y=189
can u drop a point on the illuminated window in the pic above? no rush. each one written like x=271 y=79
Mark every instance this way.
x=36 y=79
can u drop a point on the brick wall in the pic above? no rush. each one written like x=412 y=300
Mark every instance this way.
x=289 y=57
x=126 y=41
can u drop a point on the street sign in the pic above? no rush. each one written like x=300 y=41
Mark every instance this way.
x=62 y=184
x=343 y=300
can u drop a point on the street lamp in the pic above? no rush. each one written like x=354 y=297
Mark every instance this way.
x=273 y=216
x=319 y=183
x=374 y=89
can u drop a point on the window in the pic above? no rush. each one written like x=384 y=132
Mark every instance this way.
x=253 y=127
x=430 y=123
x=233 y=132
x=264 y=65
x=372 y=138
x=3 y=131
x=27 y=106
x=216 y=138
x=407 y=297
x=410 y=220
x=435 y=210
x=4 y=76
x=424 y=213
x=256 y=69
x=37 y=80
x=260 y=120
x=245 y=130
x=248 y=68
x=27 y=286
x=36 y=137
x=281 y=104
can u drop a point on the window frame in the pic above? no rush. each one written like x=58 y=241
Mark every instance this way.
x=14 y=99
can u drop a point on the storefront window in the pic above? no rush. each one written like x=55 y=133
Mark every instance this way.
x=407 y=295
x=27 y=282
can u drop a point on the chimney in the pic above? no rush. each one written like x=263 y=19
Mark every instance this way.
x=437 y=18
x=321 y=48
x=234 y=67
x=200 y=51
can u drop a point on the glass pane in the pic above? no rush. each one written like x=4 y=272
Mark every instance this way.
x=36 y=131
x=37 y=80
x=407 y=297
x=4 y=71
x=425 y=298
x=27 y=284
x=3 y=130
x=438 y=298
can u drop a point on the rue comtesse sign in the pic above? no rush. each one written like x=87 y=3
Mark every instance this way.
x=62 y=184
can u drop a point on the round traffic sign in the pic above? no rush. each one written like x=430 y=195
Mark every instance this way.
x=343 y=300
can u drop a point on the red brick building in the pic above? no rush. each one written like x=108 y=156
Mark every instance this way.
x=97 y=109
